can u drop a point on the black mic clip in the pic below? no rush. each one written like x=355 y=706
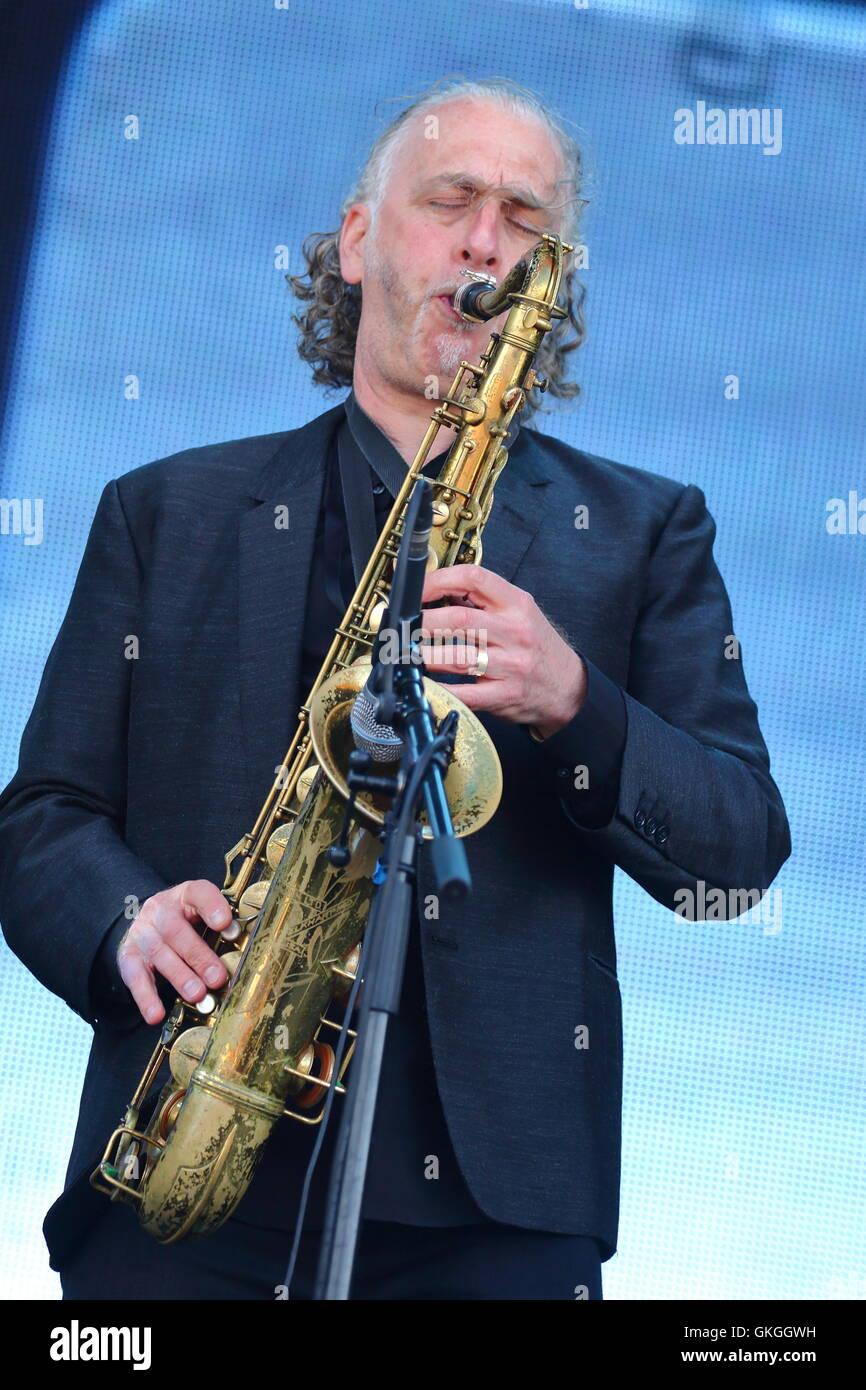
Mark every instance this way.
x=381 y=684
x=361 y=778
x=447 y=732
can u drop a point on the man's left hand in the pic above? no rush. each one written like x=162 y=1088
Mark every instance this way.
x=532 y=675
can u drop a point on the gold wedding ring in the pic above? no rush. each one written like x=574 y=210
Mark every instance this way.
x=479 y=666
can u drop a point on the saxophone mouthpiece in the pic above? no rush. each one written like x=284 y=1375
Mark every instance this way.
x=466 y=298
x=481 y=299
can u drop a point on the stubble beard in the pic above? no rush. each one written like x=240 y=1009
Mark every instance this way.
x=408 y=348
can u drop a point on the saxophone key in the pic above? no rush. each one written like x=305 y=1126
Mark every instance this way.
x=232 y=931
x=322 y=1056
x=187 y=1052
x=377 y=613
x=305 y=782
x=169 y=1112
x=346 y=972
x=231 y=960
x=277 y=844
x=251 y=900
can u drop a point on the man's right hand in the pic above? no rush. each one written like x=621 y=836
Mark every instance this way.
x=163 y=940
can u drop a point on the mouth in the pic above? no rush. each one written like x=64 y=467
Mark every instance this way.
x=448 y=307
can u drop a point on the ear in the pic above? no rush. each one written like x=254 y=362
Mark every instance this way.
x=352 y=234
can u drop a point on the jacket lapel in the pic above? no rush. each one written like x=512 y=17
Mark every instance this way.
x=273 y=572
x=516 y=513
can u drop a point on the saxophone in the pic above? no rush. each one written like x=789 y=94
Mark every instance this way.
x=261 y=1048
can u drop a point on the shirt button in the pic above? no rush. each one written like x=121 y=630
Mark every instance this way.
x=662 y=834
x=640 y=819
x=651 y=826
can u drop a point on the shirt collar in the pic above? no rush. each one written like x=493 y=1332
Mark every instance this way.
x=388 y=465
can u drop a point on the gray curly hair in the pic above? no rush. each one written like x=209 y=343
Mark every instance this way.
x=329 y=325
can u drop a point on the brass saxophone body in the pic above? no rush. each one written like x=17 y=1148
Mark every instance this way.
x=260 y=1048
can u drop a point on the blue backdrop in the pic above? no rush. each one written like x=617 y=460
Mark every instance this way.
x=157 y=257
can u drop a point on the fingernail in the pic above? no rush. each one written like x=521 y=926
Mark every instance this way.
x=191 y=987
x=218 y=918
x=214 y=974
x=154 y=1013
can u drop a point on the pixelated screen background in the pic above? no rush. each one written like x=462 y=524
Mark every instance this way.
x=744 y=1085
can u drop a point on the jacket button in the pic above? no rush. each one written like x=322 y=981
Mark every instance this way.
x=651 y=826
x=662 y=834
x=639 y=819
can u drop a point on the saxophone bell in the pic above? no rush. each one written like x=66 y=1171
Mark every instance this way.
x=473 y=781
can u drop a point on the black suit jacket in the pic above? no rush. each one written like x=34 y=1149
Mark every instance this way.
x=171 y=694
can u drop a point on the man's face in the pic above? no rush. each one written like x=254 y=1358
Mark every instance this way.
x=477 y=196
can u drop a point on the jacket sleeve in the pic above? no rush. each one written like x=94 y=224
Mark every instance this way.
x=66 y=875
x=678 y=753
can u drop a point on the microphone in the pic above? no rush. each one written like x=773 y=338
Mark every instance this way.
x=374 y=708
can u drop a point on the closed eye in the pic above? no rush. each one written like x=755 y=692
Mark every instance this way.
x=515 y=221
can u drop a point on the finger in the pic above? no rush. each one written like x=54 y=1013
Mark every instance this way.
x=165 y=960
x=139 y=981
x=468 y=623
x=206 y=902
x=485 y=695
x=459 y=658
x=188 y=944
x=178 y=973
x=480 y=586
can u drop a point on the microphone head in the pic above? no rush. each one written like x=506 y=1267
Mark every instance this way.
x=379 y=741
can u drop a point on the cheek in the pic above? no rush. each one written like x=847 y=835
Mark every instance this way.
x=427 y=255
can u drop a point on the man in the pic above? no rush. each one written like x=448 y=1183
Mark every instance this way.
x=626 y=737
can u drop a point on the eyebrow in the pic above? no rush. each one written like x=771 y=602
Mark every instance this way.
x=515 y=193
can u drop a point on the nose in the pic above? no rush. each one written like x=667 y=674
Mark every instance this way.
x=480 y=243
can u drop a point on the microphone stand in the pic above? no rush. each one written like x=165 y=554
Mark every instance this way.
x=425 y=758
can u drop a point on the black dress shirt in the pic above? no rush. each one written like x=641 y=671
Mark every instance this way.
x=413 y=1175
